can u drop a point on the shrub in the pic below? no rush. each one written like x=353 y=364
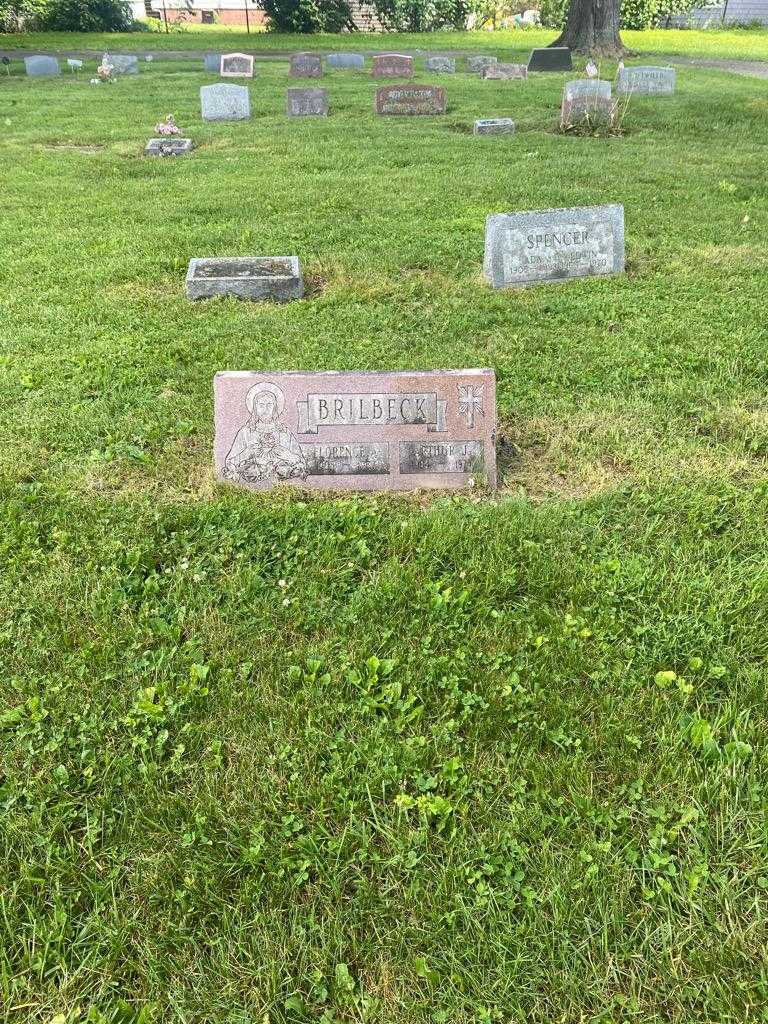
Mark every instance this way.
x=307 y=15
x=86 y=16
x=635 y=14
x=421 y=15
x=15 y=14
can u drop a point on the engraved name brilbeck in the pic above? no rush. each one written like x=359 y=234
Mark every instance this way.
x=356 y=431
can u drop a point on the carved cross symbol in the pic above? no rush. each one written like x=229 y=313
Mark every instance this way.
x=471 y=401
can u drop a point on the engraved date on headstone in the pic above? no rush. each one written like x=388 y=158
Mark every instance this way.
x=441 y=456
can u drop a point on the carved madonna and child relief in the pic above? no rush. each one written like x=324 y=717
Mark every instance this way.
x=264 y=450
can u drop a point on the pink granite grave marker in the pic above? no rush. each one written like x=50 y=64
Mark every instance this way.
x=356 y=431
x=392 y=65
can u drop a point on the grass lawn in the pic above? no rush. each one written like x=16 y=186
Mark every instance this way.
x=744 y=44
x=489 y=759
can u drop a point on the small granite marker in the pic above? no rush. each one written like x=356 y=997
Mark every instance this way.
x=551 y=58
x=588 y=87
x=168 y=147
x=441 y=65
x=356 y=431
x=41 y=66
x=225 y=102
x=212 y=62
x=306 y=102
x=259 y=278
x=236 y=65
x=410 y=99
x=646 y=81
x=392 y=65
x=345 y=61
x=505 y=72
x=495 y=126
x=553 y=245
x=480 y=63
x=306 y=65
x=122 y=63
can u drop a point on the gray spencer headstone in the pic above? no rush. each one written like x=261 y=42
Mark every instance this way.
x=441 y=65
x=646 y=81
x=345 y=61
x=212 y=62
x=122 y=63
x=551 y=58
x=258 y=278
x=495 y=126
x=173 y=146
x=41 y=66
x=538 y=246
x=480 y=63
x=306 y=102
x=224 y=102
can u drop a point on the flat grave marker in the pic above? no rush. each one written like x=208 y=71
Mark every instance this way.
x=551 y=58
x=495 y=126
x=538 y=246
x=222 y=102
x=306 y=65
x=258 y=278
x=236 y=65
x=168 y=147
x=410 y=99
x=306 y=102
x=392 y=65
x=394 y=431
x=646 y=81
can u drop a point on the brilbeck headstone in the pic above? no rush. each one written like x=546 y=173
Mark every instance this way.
x=306 y=65
x=41 y=66
x=122 y=63
x=495 y=126
x=345 y=61
x=225 y=102
x=410 y=99
x=392 y=65
x=236 y=65
x=356 y=431
x=441 y=65
x=553 y=245
x=306 y=102
x=505 y=72
x=551 y=58
x=258 y=278
x=646 y=81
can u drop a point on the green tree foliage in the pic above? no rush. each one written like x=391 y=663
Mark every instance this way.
x=421 y=15
x=86 y=16
x=307 y=15
x=635 y=14
x=16 y=14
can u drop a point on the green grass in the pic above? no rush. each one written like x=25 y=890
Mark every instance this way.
x=474 y=760
x=744 y=44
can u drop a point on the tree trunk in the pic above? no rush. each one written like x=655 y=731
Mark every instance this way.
x=592 y=27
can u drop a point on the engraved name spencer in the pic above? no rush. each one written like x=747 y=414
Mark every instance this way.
x=373 y=410
x=567 y=249
x=264 y=450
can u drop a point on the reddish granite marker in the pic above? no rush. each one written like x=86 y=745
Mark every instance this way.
x=410 y=99
x=392 y=65
x=356 y=431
